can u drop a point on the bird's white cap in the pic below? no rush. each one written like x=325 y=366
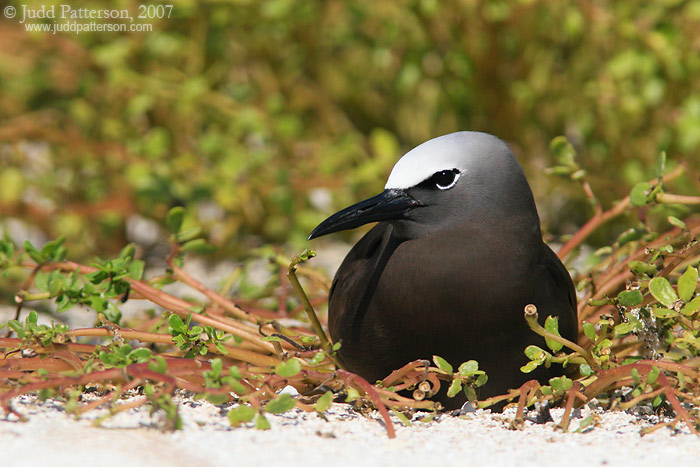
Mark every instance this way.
x=451 y=151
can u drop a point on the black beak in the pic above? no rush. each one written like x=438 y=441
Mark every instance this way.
x=388 y=205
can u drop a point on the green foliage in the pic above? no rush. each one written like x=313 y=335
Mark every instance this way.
x=551 y=324
x=662 y=291
x=467 y=378
x=51 y=251
x=43 y=334
x=288 y=368
x=216 y=378
x=192 y=339
x=630 y=298
x=241 y=414
x=688 y=283
x=123 y=355
x=324 y=402
x=442 y=364
x=237 y=110
x=282 y=404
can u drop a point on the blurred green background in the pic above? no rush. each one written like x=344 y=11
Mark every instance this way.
x=263 y=117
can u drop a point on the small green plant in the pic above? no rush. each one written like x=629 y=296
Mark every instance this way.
x=640 y=320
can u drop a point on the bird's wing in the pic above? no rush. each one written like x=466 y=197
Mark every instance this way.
x=349 y=287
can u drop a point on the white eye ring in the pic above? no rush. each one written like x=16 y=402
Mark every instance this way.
x=454 y=172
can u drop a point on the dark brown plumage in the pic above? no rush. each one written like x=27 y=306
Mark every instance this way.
x=447 y=271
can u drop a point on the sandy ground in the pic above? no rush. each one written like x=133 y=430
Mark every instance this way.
x=50 y=437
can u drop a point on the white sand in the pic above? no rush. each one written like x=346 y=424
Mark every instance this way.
x=51 y=437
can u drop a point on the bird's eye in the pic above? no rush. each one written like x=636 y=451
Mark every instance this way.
x=446 y=179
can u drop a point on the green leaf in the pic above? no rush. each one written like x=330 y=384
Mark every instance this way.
x=630 y=236
x=216 y=365
x=530 y=366
x=635 y=376
x=317 y=358
x=641 y=268
x=41 y=281
x=33 y=252
x=289 y=368
x=307 y=255
x=174 y=219
x=653 y=375
x=56 y=282
x=470 y=393
x=585 y=423
x=7 y=248
x=112 y=313
x=136 y=268
x=199 y=246
x=241 y=414
x=623 y=329
x=128 y=251
x=237 y=387
x=442 y=364
x=17 y=328
x=691 y=307
x=551 y=324
x=261 y=423
x=158 y=364
x=52 y=250
x=216 y=399
x=585 y=369
x=353 y=395
x=535 y=353
x=676 y=222
x=141 y=355
x=455 y=388
x=468 y=368
x=63 y=303
x=402 y=418
x=235 y=372
x=662 y=291
x=271 y=339
x=177 y=324
x=562 y=149
x=661 y=164
x=32 y=317
x=589 y=331
x=324 y=402
x=561 y=384
x=681 y=380
x=97 y=303
x=630 y=298
x=281 y=404
x=687 y=284
x=660 y=312
x=639 y=194
x=188 y=234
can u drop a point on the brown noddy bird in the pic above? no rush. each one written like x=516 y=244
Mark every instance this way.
x=455 y=257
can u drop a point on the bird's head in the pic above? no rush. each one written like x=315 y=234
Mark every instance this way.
x=447 y=182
